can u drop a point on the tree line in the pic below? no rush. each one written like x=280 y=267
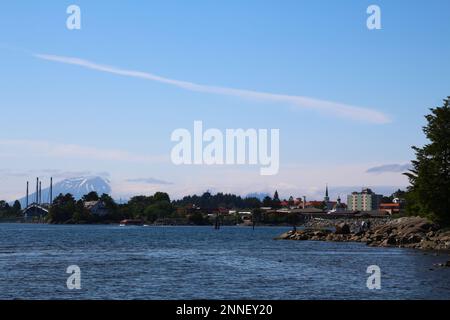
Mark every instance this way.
x=193 y=209
x=10 y=211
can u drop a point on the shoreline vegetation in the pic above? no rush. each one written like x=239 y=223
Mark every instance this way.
x=207 y=209
x=157 y=209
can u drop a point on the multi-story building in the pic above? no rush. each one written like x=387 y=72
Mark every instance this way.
x=366 y=200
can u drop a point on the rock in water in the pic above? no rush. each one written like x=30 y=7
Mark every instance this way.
x=342 y=228
x=285 y=236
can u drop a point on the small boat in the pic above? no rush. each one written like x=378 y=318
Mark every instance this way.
x=131 y=222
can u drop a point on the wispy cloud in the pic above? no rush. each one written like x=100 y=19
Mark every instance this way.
x=66 y=174
x=150 y=181
x=55 y=173
x=13 y=173
x=389 y=168
x=328 y=107
x=50 y=149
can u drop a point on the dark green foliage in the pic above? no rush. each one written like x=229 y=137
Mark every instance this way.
x=91 y=196
x=257 y=215
x=198 y=219
x=7 y=211
x=157 y=208
x=81 y=215
x=161 y=196
x=4 y=206
x=16 y=207
x=267 y=201
x=276 y=203
x=429 y=193
x=293 y=219
x=63 y=208
x=400 y=194
x=208 y=201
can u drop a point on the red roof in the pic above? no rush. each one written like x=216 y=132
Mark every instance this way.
x=389 y=205
x=314 y=203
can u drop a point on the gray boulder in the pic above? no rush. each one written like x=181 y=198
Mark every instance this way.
x=342 y=228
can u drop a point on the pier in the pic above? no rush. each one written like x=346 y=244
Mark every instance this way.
x=38 y=208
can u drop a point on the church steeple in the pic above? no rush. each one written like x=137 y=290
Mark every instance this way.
x=326 y=198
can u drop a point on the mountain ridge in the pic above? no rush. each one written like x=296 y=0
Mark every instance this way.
x=78 y=187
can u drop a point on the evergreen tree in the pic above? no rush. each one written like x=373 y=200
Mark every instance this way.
x=276 y=203
x=161 y=196
x=16 y=207
x=267 y=201
x=256 y=216
x=429 y=193
x=5 y=209
x=91 y=196
x=62 y=209
x=4 y=206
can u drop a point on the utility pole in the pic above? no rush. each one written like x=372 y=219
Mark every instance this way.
x=27 y=195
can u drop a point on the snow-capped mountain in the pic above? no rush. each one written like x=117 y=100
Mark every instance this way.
x=78 y=187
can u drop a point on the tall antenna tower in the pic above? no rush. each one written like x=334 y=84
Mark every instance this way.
x=37 y=190
x=51 y=191
x=27 y=195
x=40 y=192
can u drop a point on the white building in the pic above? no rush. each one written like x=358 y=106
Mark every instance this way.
x=366 y=200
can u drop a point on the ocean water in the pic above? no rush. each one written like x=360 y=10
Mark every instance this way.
x=203 y=263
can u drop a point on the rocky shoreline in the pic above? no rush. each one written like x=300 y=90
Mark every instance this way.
x=353 y=223
x=407 y=232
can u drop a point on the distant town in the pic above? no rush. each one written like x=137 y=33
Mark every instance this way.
x=206 y=209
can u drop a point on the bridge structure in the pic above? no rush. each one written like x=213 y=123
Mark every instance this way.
x=38 y=208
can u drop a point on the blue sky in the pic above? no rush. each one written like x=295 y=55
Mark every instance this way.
x=75 y=120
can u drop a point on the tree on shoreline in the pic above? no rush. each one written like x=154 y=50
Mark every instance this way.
x=62 y=209
x=7 y=211
x=429 y=193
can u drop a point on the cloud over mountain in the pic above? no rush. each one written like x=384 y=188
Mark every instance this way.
x=149 y=181
x=389 y=168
